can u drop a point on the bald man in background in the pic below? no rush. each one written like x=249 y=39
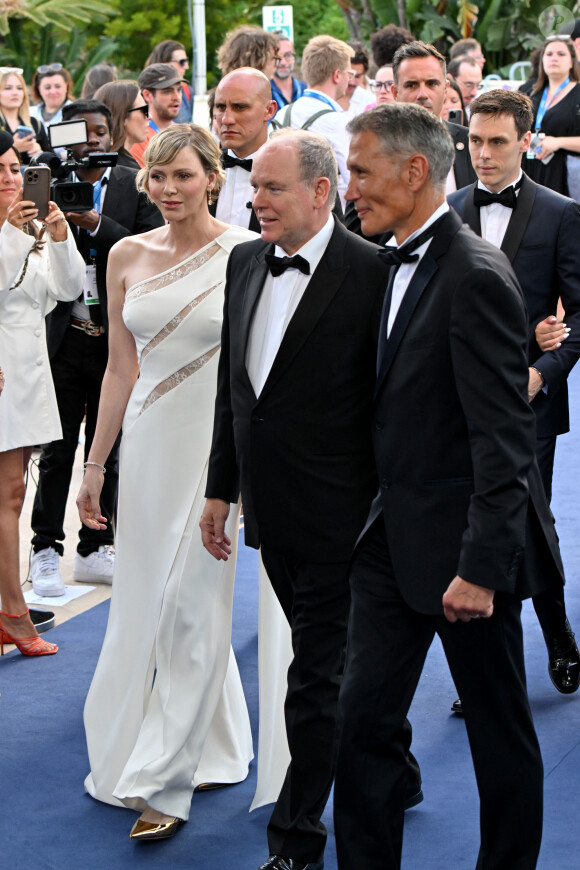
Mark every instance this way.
x=243 y=108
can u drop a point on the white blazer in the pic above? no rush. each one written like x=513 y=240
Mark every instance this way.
x=28 y=408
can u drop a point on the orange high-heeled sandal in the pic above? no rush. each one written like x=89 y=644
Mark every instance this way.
x=28 y=646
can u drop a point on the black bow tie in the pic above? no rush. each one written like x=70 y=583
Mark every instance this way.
x=228 y=161
x=277 y=265
x=404 y=254
x=506 y=197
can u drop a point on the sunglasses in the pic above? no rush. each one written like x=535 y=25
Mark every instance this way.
x=183 y=62
x=379 y=86
x=144 y=109
x=8 y=70
x=48 y=67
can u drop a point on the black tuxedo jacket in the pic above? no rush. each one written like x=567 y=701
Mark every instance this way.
x=542 y=242
x=126 y=212
x=462 y=165
x=302 y=450
x=454 y=433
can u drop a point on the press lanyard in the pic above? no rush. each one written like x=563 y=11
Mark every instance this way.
x=153 y=125
x=545 y=105
x=97 y=188
x=316 y=96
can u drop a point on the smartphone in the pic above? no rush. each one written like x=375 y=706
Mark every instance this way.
x=455 y=116
x=24 y=131
x=37 y=188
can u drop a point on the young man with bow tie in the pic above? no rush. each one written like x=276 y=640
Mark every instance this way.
x=538 y=230
x=295 y=385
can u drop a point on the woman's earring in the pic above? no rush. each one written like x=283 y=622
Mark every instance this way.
x=209 y=195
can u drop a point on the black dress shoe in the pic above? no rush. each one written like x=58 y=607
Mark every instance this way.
x=457 y=707
x=278 y=862
x=411 y=800
x=564 y=661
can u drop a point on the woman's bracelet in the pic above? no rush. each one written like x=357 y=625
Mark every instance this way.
x=98 y=465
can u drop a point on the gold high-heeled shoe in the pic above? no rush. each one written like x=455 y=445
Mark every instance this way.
x=155 y=830
x=28 y=646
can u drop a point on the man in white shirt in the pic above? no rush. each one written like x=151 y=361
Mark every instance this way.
x=243 y=109
x=295 y=385
x=326 y=68
x=443 y=547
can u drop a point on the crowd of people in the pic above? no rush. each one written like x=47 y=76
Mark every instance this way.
x=348 y=307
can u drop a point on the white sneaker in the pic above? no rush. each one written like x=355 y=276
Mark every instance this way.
x=96 y=567
x=45 y=574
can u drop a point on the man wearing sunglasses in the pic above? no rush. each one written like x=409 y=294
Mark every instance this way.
x=161 y=85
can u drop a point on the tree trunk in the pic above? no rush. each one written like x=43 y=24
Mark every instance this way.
x=352 y=18
x=401 y=6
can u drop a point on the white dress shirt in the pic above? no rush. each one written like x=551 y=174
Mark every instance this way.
x=495 y=217
x=278 y=301
x=236 y=192
x=406 y=271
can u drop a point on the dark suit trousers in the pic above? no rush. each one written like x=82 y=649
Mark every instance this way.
x=315 y=600
x=386 y=650
x=77 y=369
x=549 y=605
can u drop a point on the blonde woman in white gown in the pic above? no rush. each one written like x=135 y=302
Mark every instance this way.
x=166 y=710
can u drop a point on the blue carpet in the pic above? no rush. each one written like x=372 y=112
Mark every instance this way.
x=46 y=820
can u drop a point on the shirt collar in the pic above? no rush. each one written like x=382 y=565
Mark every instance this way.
x=439 y=212
x=514 y=182
x=315 y=247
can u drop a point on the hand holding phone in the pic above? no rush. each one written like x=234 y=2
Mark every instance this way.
x=24 y=132
x=36 y=188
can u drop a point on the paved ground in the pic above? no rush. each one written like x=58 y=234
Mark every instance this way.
x=72 y=523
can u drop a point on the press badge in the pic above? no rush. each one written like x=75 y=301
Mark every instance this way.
x=90 y=291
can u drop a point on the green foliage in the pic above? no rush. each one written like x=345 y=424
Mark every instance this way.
x=28 y=44
x=64 y=14
x=80 y=33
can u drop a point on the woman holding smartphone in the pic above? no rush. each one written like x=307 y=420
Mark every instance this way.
x=29 y=135
x=39 y=265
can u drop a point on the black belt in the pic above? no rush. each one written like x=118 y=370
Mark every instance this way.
x=87 y=326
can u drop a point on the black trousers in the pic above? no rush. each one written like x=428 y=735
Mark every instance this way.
x=549 y=605
x=316 y=601
x=386 y=650
x=77 y=369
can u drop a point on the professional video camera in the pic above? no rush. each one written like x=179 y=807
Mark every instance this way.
x=74 y=196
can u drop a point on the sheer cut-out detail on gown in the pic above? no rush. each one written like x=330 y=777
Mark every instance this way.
x=176 y=273
x=174 y=322
x=177 y=378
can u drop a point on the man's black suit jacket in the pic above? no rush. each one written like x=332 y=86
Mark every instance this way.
x=462 y=166
x=542 y=242
x=126 y=212
x=302 y=450
x=454 y=432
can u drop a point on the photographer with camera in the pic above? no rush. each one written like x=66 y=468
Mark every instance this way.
x=77 y=346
